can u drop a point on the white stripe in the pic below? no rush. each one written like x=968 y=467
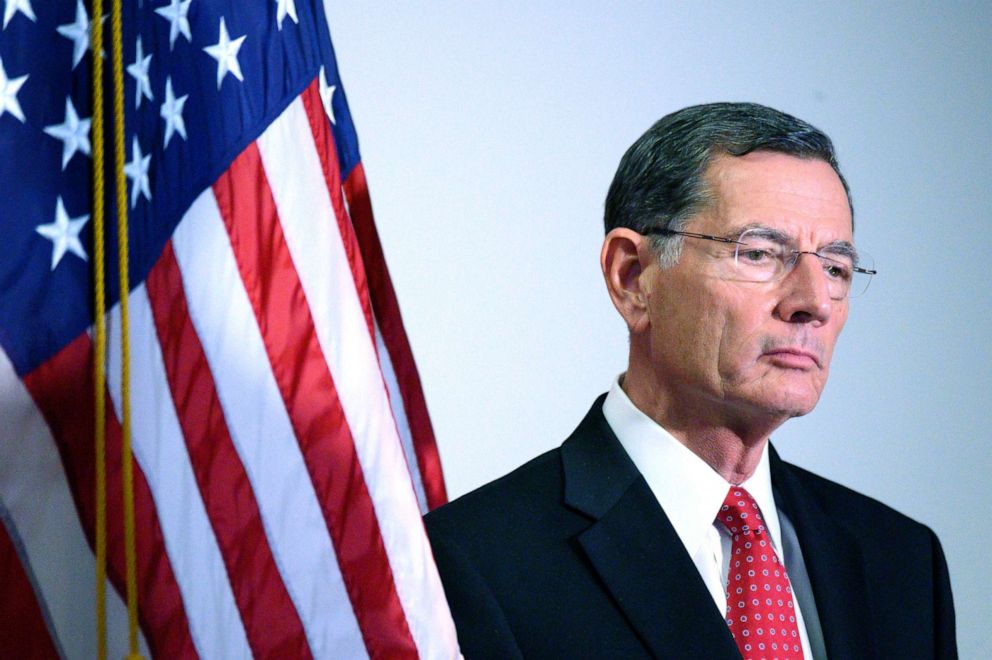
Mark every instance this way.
x=295 y=176
x=398 y=406
x=214 y=621
x=34 y=490
x=261 y=431
x=399 y=414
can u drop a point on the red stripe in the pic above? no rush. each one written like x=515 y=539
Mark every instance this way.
x=387 y=313
x=23 y=633
x=62 y=389
x=324 y=141
x=271 y=622
x=280 y=306
x=369 y=269
x=327 y=153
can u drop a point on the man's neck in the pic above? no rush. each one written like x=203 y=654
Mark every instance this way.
x=729 y=441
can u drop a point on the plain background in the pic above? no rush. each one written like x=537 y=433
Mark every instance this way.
x=490 y=136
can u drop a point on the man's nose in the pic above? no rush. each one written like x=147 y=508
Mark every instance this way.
x=805 y=292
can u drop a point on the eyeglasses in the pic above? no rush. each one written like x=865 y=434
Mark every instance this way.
x=762 y=254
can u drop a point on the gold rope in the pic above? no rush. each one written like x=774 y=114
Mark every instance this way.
x=99 y=338
x=100 y=330
x=127 y=472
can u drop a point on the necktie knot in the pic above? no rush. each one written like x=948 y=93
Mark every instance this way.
x=740 y=514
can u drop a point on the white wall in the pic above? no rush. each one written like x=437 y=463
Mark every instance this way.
x=490 y=135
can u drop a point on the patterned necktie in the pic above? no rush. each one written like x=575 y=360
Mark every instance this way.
x=760 y=609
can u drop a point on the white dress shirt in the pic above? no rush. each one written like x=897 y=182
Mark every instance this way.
x=691 y=493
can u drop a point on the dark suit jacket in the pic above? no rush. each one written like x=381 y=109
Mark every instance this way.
x=571 y=556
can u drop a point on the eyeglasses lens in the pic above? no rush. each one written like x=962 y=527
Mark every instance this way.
x=759 y=257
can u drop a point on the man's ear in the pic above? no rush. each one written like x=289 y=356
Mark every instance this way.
x=624 y=257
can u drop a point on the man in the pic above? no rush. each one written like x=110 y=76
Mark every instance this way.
x=666 y=525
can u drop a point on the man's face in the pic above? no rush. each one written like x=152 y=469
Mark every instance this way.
x=747 y=348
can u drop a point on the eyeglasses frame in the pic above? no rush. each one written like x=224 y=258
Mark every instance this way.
x=723 y=239
x=731 y=241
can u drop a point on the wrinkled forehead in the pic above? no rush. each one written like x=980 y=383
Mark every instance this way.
x=801 y=197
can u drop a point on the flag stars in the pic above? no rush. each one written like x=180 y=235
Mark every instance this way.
x=327 y=95
x=14 y=6
x=176 y=13
x=286 y=8
x=74 y=133
x=8 y=93
x=78 y=32
x=64 y=234
x=137 y=171
x=139 y=71
x=225 y=51
x=172 y=113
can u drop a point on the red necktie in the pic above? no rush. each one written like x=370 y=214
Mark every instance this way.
x=760 y=609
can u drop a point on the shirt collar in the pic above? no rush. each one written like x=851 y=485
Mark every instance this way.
x=687 y=488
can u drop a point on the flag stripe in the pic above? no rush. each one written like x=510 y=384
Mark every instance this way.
x=25 y=633
x=280 y=305
x=62 y=389
x=390 y=322
x=55 y=550
x=271 y=622
x=402 y=423
x=262 y=433
x=323 y=139
x=159 y=449
x=324 y=143
x=316 y=248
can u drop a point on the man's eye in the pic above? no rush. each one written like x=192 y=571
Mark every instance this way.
x=755 y=255
x=837 y=271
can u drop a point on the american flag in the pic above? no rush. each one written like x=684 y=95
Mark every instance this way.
x=283 y=452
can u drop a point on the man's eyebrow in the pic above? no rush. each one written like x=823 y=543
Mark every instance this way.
x=760 y=231
x=839 y=248
x=842 y=249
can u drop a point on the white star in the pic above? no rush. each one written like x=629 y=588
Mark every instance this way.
x=284 y=8
x=327 y=95
x=79 y=32
x=73 y=131
x=225 y=51
x=8 y=93
x=172 y=113
x=175 y=13
x=137 y=171
x=139 y=71
x=64 y=234
x=14 y=6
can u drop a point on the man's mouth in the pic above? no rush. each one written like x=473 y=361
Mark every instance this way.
x=791 y=357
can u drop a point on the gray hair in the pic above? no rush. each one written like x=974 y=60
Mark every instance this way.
x=660 y=182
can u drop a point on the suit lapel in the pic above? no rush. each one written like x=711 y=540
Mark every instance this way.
x=834 y=563
x=636 y=552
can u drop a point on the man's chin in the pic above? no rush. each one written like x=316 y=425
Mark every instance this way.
x=793 y=396
x=795 y=406
x=783 y=405
x=802 y=412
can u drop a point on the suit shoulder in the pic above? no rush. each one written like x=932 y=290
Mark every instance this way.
x=510 y=499
x=856 y=509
